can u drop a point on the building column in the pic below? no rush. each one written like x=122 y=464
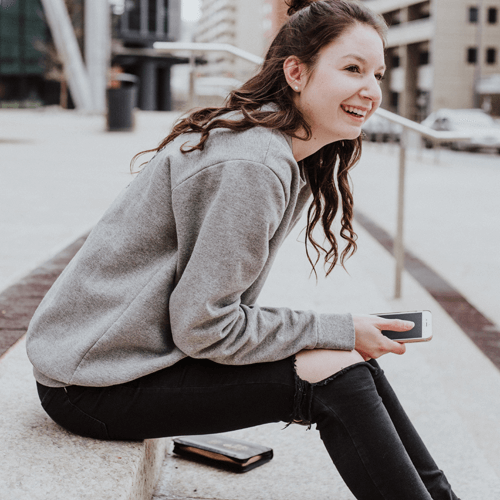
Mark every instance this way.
x=98 y=49
x=404 y=97
x=409 y=61
x=165 y=91
x=386 y=83
x=148 y=87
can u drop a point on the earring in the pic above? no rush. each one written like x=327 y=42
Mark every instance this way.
x=296 y=88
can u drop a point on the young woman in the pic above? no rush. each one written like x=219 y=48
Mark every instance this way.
x=153 y=329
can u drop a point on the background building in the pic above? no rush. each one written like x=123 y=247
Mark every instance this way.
x=142 y=23
x=440 y=54
x=23 y=65
x=31 y=69
x=241 y=23
x=277 y=16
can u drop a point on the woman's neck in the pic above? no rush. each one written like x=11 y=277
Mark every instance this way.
x=302 y=149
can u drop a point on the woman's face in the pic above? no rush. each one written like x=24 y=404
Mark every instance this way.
x=343 y=89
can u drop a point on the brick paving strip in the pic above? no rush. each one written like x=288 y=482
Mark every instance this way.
x=19 y=301
x=483 y=332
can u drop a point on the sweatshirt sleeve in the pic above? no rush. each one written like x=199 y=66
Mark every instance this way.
x=226 y=217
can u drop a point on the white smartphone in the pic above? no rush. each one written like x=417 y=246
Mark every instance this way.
x=421 y=332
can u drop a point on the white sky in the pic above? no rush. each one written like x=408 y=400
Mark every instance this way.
x=190 y=10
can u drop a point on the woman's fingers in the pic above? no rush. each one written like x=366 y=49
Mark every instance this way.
x=384 y=345
x=395 y=325
x=398 y=348
x=369 y=340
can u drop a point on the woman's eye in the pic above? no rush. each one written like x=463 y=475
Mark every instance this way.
x=353 y=69
x=379 y=77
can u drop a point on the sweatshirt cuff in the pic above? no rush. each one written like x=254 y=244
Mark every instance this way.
x=336 y=331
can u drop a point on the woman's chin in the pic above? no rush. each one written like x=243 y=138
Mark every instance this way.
x=352 y=136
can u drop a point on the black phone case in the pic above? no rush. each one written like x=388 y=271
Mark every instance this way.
x=238 y=452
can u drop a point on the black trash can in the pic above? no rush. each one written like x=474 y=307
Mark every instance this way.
x=121 y=104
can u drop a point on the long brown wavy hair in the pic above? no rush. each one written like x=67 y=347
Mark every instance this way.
x=312 y=26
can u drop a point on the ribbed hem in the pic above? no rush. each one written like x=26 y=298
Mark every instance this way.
x=336 y=331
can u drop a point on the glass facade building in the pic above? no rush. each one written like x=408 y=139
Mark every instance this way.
x=22 y=31
x=21 y=26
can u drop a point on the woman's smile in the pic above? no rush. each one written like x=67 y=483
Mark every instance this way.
x=355 y=111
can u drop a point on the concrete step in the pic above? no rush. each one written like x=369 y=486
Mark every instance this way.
x=41 y=461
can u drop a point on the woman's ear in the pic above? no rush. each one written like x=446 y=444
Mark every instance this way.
x=294 y=73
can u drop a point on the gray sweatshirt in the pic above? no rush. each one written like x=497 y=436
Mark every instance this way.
x=175 y=266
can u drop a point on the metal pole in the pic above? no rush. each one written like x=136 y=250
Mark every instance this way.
x=174 y=19
x=399 y=249
x=69 y=52
x=437 y=153
x=144 y=5
x=148 y=88
x=192 y=69
x=98 y=49
x=160 y=18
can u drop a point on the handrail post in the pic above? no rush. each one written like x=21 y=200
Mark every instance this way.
x=192 y=76
x=437 y=153
x=399 y=250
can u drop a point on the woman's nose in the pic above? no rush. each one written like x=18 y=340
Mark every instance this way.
x=371 y=90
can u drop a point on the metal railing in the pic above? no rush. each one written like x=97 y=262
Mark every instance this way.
x=203 y=48
x=406 y=124
x=436 y=137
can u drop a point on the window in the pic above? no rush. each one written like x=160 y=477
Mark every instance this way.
x=473 y=14
x=393 y=18
x=423 y=58
x=419 y=11
x=491 y=56
x=394 y=100
x=492 y=15
x=472 y=55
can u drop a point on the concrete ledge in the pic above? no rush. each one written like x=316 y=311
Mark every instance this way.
x=41 y=461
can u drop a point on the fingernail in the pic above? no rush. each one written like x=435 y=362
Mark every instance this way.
x=411 y=323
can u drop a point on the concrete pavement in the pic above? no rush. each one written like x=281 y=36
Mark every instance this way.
x=59 y=171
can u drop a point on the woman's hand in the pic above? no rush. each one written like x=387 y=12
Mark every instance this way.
x=370 y=343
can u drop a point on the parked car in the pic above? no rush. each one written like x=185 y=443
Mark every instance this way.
x=481 y=127
x=378 y=129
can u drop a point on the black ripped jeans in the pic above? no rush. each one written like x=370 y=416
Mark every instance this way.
x=368 y=435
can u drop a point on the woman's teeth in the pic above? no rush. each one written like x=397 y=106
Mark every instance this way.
x=354 y=111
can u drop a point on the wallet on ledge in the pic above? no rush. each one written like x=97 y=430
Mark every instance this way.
x=223 y=452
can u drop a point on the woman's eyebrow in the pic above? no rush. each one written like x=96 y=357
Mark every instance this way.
x=361 y=59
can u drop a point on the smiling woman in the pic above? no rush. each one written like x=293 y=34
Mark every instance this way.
x=154 y=330
x=342 y=91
